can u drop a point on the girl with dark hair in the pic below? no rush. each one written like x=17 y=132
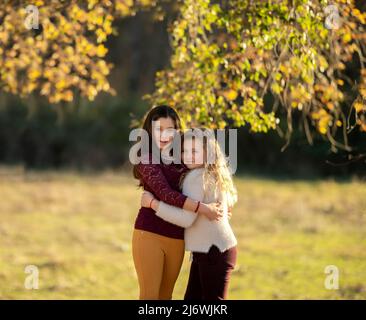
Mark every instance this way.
x=158 y=245
x=212 y=243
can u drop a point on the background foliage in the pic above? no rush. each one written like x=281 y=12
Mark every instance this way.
x=259 y=65
x=231 y=55
x=57 y=111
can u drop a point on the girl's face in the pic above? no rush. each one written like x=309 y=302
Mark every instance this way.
x=163 y=131
x=193 y=153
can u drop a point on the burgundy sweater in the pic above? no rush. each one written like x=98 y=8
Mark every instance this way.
x=162 y=180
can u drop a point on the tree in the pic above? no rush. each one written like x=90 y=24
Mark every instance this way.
x=230 y=60
x=230 y=55
x=57 y=48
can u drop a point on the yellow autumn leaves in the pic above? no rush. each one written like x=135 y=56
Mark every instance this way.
x=224 y=60
x=66 y=54
x=222 y=77
x=360 y=103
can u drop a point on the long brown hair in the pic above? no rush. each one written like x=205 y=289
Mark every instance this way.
x=155 y=113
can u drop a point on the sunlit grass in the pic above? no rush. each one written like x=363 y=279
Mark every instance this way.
x=77 y=229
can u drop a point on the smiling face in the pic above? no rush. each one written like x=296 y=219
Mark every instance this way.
x=163 y=130
x=193 y=153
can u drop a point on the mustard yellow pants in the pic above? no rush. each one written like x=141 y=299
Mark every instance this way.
x=158 y=260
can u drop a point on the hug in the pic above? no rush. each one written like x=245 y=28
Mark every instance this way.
x=186 y=205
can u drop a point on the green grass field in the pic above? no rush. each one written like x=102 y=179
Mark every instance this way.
x=77 y=229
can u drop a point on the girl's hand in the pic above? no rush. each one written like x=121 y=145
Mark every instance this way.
x=213 y=211
x=146 y=199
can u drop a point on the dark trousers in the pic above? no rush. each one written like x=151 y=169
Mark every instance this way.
x=210 y=274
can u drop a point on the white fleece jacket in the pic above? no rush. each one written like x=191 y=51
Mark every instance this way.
x=200 y=233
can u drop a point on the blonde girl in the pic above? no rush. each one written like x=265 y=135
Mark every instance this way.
x=212 y=242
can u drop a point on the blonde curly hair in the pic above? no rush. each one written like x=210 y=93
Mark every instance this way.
x=217 y=175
